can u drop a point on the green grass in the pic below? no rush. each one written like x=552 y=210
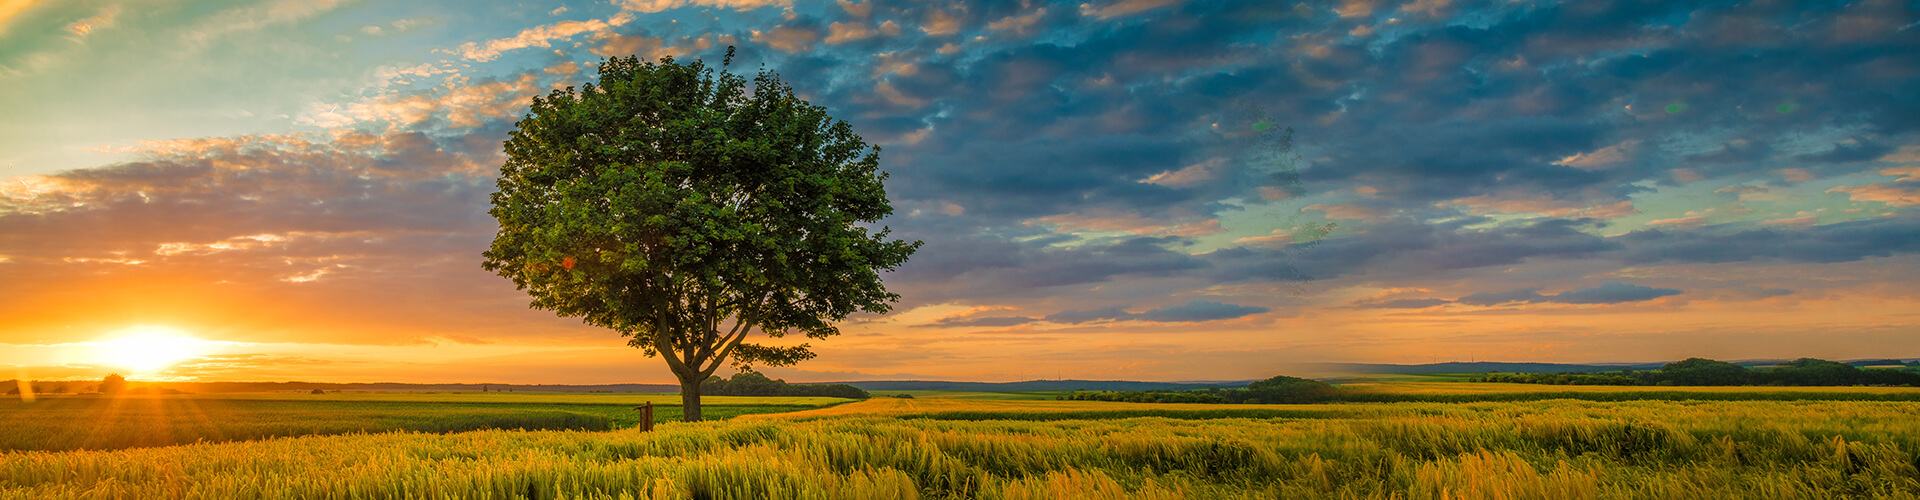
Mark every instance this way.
x=1431 y=391
x=97 y=422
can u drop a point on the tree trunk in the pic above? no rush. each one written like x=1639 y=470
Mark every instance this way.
x=689 y=400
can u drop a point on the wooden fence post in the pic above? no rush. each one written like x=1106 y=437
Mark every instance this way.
x=646 y=417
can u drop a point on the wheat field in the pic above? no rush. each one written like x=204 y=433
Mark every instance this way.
x=895 y=448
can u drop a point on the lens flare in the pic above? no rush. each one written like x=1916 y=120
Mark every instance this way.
x=146 y=349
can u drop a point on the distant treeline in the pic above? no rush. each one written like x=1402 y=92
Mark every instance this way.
x=752 y=383
x=1708 y=372
x=1280 y=389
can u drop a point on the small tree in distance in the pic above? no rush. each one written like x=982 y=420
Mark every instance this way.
x=113 y=384
x=670 y=205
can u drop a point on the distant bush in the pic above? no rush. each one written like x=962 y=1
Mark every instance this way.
x=903 y=396
x=153 y=390
x=1708 y=372
x=1555 y=379
x=113 y=384
x=752 y=383
x=1279 y=389
x=1284 y=389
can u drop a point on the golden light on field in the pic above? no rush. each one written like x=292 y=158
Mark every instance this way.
x=145 y=349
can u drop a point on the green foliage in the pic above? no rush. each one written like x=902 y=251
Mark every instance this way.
x=1555 y=379
x=1707 y=372
x=1285 y=389
x=752 y=383
x=113 y=384
x=670 y=205
x=1279 y=389
x=1648 y=394
x=1702 y=371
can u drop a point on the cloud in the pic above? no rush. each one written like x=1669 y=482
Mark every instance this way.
x=1826 y=243
x=842 y=32
x=460 y=106
x=1351 y=210
x=1895 y=195
x=540 y=36
x=1611 y=293
x=1022 y=24
x=941 y=23
x=661 y=5
x=1401 y=303
x=789 y=39
x=1606 y=293
x=1089 y=315
x=1497 y=298
x=84 y=27
x=981 y=321
x=1121 y=8
x=1199 y=310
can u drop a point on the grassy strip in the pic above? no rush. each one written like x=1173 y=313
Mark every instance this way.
x=1641 y=395
x=1255 y=413
x=74 y=423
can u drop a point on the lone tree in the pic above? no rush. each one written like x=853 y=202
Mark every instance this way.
x=670 y=204
x=113 y=383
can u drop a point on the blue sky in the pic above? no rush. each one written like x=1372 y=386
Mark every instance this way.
x=1100 y=185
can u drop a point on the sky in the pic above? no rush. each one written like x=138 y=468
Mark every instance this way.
x=1106 y=190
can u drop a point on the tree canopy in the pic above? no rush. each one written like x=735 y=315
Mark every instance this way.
x=670 y=204
x=113 y=383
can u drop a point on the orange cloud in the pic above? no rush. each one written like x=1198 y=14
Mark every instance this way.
x=788 y=39
x=940 y=23
x=1347 y=210
x=86 y=26
x=1124 y=8
x=660 y=5
x=1600 y=158
x=1683 y=221
x=1020 y=25
x=1279 y=238
x=463 y=106
x=539 y=36
x=1885 y=193
x=1908 y=174
x=842 y=32
x=1795 y=221
x=1188 y=175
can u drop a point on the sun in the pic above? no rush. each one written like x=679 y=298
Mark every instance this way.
x=144 y=349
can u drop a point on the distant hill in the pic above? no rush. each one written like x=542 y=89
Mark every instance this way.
x=1492 y=366
x=1476 y=367
x=1037 y=385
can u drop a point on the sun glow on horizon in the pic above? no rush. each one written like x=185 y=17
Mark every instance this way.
x=146 y=349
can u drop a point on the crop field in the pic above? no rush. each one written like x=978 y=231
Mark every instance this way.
x=92 y=422
x=933 y=447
